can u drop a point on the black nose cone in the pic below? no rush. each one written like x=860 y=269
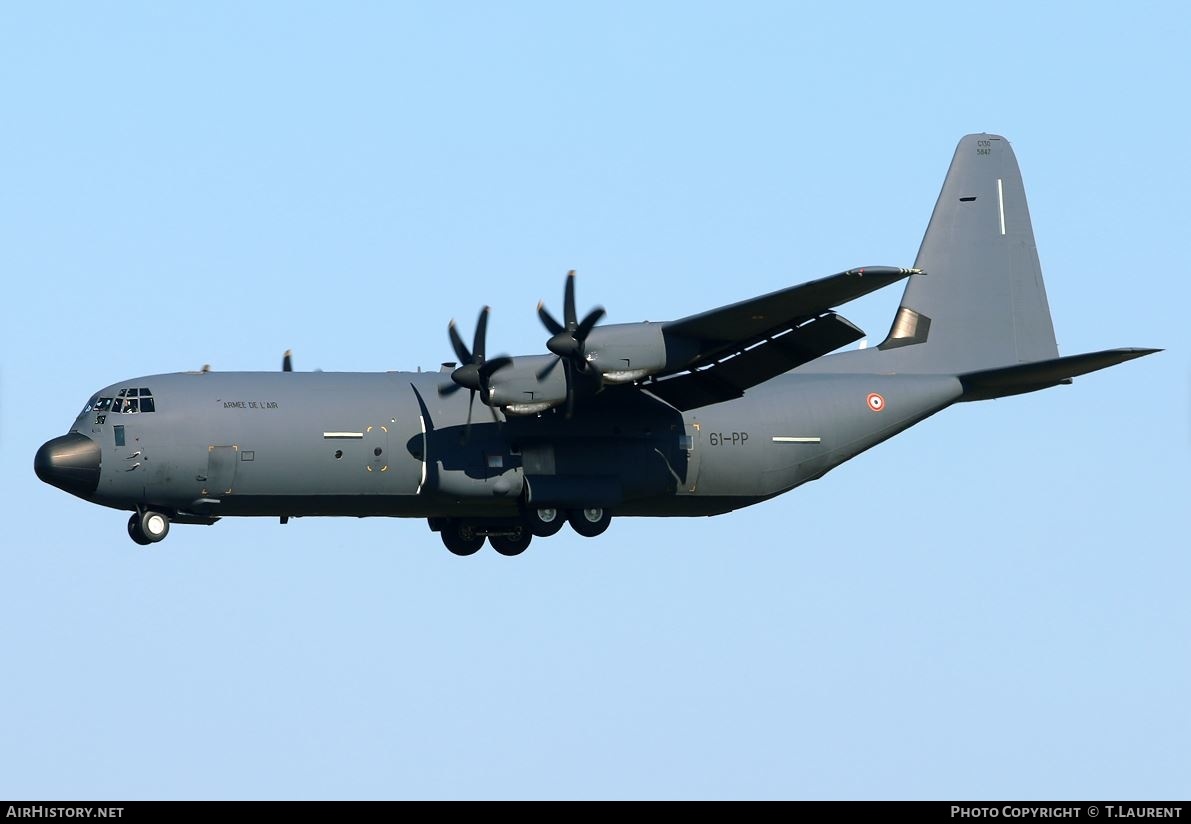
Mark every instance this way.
x=70 y=462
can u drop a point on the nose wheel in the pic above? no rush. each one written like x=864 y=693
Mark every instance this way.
x=148 y=527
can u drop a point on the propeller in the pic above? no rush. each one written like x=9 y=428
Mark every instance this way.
x=475 y=373
x=567 y=339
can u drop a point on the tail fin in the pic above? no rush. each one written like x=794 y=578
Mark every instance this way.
x=978 y=310
x=981 y=303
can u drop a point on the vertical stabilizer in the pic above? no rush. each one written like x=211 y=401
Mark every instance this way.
x=981 y=302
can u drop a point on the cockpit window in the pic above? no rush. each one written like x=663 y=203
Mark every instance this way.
x=90 y=404
x=127 y=402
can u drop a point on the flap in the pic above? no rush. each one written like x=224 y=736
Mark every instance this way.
x=739 y=370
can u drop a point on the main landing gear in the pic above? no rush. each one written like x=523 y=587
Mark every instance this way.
x=590 y=522
x=512 y=537
x=148 y=527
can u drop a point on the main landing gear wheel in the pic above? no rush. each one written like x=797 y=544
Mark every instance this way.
x=590 y=522
x=134 y=530
x=461 y=539
x=545 y=522
x=510 y=545
x=148 y=527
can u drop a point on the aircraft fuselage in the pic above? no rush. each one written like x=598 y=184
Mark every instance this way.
x=386 y=444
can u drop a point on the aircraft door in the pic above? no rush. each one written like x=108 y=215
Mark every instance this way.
x=376 y=446
x=221 y=470
x=691 y=443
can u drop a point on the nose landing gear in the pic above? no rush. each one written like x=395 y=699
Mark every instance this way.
x=148 y=527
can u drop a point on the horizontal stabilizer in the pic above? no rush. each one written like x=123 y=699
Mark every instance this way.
x=1030 y=377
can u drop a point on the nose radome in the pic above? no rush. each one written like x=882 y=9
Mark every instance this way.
x=70 y=462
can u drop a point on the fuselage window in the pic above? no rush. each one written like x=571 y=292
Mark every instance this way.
x=104 y=405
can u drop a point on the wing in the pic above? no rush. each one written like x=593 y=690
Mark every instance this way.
x=739 y=346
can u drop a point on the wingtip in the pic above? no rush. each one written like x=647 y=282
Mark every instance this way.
x=1130 y=352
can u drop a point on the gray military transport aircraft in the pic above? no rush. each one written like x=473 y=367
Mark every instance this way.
x=696 y=416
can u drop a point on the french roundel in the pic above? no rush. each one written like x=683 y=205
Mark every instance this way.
x=875 y=402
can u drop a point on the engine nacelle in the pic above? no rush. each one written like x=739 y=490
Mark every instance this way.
x=626 y=352
x=614 y=354
x=522 y=389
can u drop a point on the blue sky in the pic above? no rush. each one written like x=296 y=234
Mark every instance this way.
x=992 y=605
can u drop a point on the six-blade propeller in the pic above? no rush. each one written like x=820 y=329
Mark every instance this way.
x=475 y=372
x=568 y=339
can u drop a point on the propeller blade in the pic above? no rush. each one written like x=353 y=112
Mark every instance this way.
x=458 y=345
x=489 y=369
x=493 y=366
x=470 y=403
x=478 y=344
x=448 y=389
x=568 y=302
x=287 y=361
x=548 y=320
x=569 y=372
x=589 y=322
x=542 y=373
